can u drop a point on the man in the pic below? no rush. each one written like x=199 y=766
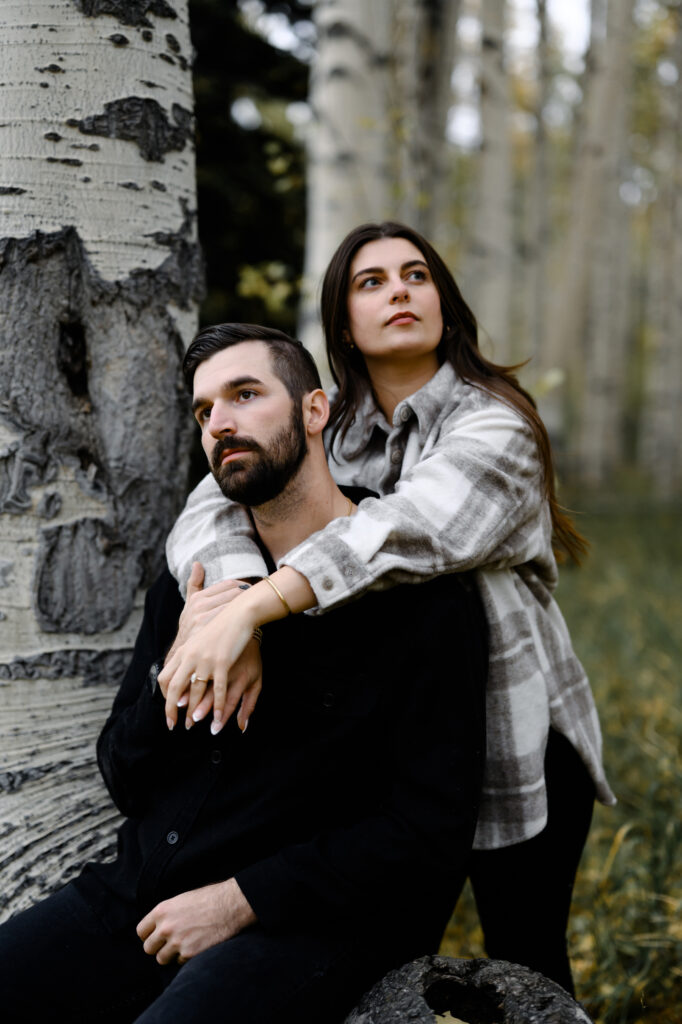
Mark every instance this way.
x=274 y=873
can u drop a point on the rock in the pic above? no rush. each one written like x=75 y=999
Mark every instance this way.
x=472 y=991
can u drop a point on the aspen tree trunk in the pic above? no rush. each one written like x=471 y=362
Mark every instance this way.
x=423 y=80
x=99 y=277
x=348 y=143
x=601 y=400
x=379 y=90
x=566 y=343
x=492 y=250
x=538 y=215
x=660 y=451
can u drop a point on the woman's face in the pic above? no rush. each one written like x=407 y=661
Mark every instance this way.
x=393 y=306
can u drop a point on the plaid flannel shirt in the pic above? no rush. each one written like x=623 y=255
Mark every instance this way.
x=461 y=486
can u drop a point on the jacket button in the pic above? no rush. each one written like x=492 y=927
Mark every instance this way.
x=405 y=414
x=328 y=699
x=327 y=584
x=396 y=456
x=216 y=757
x=172 y=837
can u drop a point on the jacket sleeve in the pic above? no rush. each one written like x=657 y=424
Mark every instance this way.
x=474 y=500
x=217 y=532
x=415 y=846
x=135 y=740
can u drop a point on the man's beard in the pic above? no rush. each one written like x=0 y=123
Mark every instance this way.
x=263 y=475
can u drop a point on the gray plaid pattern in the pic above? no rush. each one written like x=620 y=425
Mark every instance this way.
x=461 y=486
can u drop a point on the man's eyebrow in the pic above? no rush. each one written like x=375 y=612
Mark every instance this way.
x=381 y=270
x=227 y=387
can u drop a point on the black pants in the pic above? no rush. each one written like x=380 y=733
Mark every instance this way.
x=59 y=961
x=523 y=892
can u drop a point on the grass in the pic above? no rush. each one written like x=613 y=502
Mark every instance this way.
x=624 y=610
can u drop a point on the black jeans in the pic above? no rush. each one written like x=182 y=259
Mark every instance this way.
x=523 y=892
x=58 y=961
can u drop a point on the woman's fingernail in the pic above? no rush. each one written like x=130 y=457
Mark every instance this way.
x=170 y=723
x=183 y=700
x=215 y=727
x=188 y=723
x=198 y=715
x=246 y=725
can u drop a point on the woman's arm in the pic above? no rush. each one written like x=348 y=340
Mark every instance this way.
x=217 y=532
x=474 y=499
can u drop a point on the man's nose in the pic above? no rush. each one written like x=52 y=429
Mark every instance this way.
x=221 y=421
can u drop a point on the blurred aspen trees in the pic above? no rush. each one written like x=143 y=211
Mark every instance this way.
x=548 y=174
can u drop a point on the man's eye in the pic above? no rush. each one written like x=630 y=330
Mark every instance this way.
x=246 y=394
x=203 y=415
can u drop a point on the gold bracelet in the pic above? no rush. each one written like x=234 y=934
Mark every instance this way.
x=279 y=593
x=257 y=634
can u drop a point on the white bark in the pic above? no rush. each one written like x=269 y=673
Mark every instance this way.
x=492 y=250
x=661 y=430
x=98 y=286
x=602 y=394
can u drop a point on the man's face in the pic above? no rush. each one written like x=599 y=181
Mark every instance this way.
x=251 y=430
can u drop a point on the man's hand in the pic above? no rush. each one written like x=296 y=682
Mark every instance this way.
x=186 y=925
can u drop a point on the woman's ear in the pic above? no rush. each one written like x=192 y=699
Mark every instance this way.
x=346 y=338
x=315 y=411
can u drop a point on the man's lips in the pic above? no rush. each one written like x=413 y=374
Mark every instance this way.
x=232 y=453
x=404 y=316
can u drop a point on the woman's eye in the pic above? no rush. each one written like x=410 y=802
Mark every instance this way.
x=417 y=275
x=369 y=282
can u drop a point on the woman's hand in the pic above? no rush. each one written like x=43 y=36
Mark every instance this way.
x=246 y=677
x=201 y=605
x=212 y=653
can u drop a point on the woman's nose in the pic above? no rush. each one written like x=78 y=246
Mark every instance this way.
x=400 y=292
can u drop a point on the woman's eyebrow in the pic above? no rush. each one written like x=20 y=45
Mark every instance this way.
x=381 y=270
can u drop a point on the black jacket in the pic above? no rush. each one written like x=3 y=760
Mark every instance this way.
x=353 y=794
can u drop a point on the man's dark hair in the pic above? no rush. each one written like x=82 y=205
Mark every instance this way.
x=291 y=361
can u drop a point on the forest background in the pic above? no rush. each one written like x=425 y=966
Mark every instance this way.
x=538 y=144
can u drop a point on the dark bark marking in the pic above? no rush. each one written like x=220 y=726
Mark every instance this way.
x=86 y=180
x=118 y=39
x=50 y=505
x=94 y=147
x=71 y=324
x=147 y=36
x=172 y=43
x=96 y=667
x=128 y=12
x=150 y=85
x=11 y=190
x=131 y=185
x=5 y=569
x=168 y=59
x=142 y=121
x=70 y=161
x=159 y=186
x=54 y=69
x=72 y=356
x=52 y=136
x=44 y=85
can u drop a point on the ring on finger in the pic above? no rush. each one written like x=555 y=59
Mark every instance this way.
x=194 y=678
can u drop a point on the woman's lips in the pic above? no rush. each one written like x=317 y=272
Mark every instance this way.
x=404 y=317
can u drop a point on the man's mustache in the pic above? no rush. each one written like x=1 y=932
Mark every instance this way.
x=229 y=443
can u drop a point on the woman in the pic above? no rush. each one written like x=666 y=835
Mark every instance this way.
x=462 y=463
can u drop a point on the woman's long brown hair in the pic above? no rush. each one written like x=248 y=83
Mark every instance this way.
x=458 y=345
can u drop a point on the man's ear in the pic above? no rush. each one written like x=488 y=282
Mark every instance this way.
x=315 y=411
